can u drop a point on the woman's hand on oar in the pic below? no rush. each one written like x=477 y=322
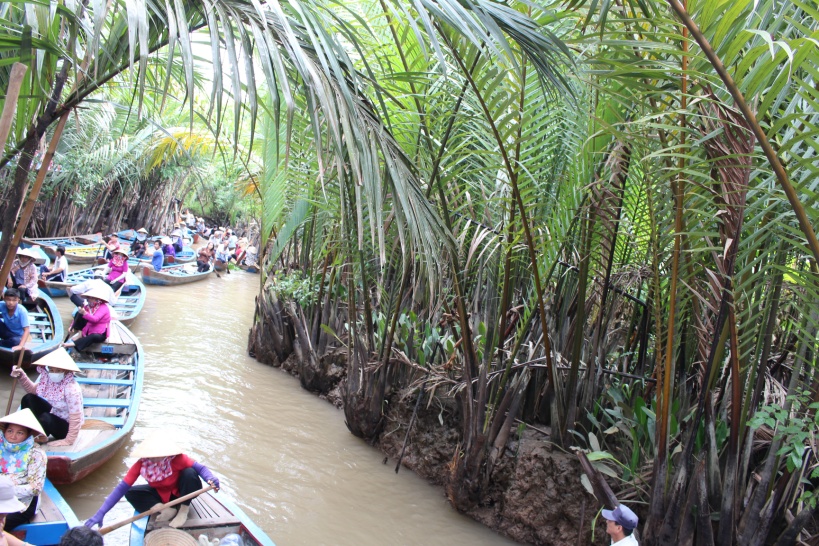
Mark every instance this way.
x=16 y=372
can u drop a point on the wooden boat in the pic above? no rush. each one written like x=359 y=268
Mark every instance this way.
x=86 y=254
x=187 y=255
x=46 y=328
x=131 y=300
x=173 y=275
x=249 y=268
x=111 y=390
x=52 y=243
x=210 y=515
x=53 y=518
x=219 y=265
x=57 y=289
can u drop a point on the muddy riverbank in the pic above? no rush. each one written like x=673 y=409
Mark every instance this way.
x=535 y=494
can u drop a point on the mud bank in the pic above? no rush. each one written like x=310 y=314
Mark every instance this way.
x=534 y=495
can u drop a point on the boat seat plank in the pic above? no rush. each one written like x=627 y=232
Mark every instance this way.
x=104 y=381
x=116 y=421
x=107 y=403
x=106 y=366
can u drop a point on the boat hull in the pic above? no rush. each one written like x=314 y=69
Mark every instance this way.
x=53 y=518
x=46 y=332
x=172 y=276
x=60 y=289
x=119 y=386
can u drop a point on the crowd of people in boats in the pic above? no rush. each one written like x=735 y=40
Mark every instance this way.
x=51 y=411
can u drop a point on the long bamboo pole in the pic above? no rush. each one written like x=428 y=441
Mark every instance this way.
x=31 y=200
x=762 y=138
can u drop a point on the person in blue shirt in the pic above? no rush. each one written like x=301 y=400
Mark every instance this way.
x=14 y=329
x=157 y=257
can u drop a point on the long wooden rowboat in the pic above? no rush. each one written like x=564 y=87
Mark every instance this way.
x=46 y=328
x=173 y=275
x=53 y=518
x=211 y=515
x=88 y=254
x=186 y=256
x=111 y=390
x=68 y=241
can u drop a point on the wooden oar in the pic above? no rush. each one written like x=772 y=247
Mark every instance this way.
x=14 y=381
x=154 y=510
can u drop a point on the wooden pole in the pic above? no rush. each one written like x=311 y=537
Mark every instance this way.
x=14 y=381
x=12 y=93
x=28 y=208
x=154 y=510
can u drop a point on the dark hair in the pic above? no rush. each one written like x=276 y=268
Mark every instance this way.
x=626 y=531
x=12 y=293
x=81 y=536
x=61 y=250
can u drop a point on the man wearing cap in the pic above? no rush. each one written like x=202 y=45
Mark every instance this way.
x=620 y=525
x=23 y=274
x=14 y=325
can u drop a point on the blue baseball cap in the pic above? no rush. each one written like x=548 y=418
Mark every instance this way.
x=622 y=515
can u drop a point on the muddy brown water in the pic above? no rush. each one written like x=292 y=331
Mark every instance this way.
x=281 y=453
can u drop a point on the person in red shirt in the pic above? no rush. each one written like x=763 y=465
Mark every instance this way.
x=170 y=475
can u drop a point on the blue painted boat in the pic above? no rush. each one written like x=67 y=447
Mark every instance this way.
x=57 y=289
x=186 y=256
x=173 y=275
x=46 y=328
x=53 y=518
x=112 y=389
x=69 y=241
x=131 y=300
x=210 y=515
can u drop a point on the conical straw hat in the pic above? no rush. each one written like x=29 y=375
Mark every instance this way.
x=58 y=359
x=169 y=537
x=99 y=293
x=142 y=230
x=121 y=251
x=8 y=499
x=31 y=253
x=24 y=418
x=157 y=444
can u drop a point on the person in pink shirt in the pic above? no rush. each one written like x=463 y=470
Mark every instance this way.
x=117 y=269
x=97 y=317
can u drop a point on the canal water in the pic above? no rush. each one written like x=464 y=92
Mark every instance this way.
x=281 y=453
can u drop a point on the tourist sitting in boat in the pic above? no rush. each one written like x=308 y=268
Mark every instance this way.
x=111 y=246
x=55 y=398
x=238 y=253
x=24 y=461
x=58 y=272
x=158 y=256
x=97 y=317
x=190 y=219
x=222 y=253
x=117 y=269
x=205 y=257
x=167 y=248
x=170 y=475
x=140 y=244
x=176 y=239
x=14 y=325
x=77 y=294
x=200 y=226
x=23 y=275
x=8 y=506
x=81 y=536
x=232 y=240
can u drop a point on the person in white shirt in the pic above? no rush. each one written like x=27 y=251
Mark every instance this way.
x=620 y=525
x=58 y=272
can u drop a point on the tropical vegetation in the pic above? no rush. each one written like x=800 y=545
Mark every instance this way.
x=596 y=217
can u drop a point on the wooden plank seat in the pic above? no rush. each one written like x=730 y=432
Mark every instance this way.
x=115 y=421
x=106 y=403
x=105 y=381
x=106 y=366
x=204 y=512
x=46 y=511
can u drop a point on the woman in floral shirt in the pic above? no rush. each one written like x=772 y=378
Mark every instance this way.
x=55 y=398
x=23 y=461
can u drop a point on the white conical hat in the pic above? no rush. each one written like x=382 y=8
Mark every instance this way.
x=31 y=253
x=120 y=250
x=159 y=443
x=142 y=230
x=24 y=418
x=58 y=359
x=8 y=498
x=99 y=293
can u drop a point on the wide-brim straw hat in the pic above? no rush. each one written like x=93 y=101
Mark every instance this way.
x=58 y=359
x=24 y=418
x=31 y=253
x=8 y=498
x=165 y=240
x=157 y=444
x=142 y=230
x=251 y=249
x=99 y=293
x=121 y=251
